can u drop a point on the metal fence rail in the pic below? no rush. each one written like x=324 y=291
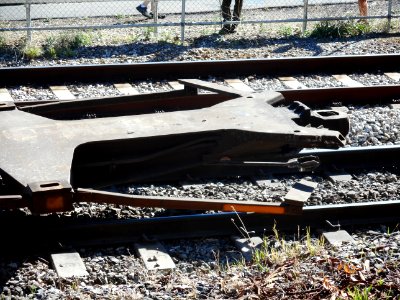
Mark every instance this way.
x=39 y=15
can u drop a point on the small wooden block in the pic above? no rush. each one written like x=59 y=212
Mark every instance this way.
x=68 y=265
x=292 y=83
x=154 y=256
x=247 y=246
x=126 y=89
x=336 y=238
x=176 y=85
x=239 y=85
x=5 y=96
x=347 y=81
x=339 y=176
x=394 y=76
x=300 y=192
x=266 y=180
x=62 y=92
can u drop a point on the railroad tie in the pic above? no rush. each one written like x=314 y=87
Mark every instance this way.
x=68 y=265
x=175 y=85
x=394 y=76
x=337 y=238
x=347 y=81
x=154 y=256
x=292 y=83
x=5 y=96
x=126 y=89
x=238 y=85
x=62 y=92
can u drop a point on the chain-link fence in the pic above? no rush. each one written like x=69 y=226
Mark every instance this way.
x=35 y=15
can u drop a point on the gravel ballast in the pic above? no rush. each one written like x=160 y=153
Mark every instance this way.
x=298 y=266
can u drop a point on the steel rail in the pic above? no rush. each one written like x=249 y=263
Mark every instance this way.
x=385 y=94
x=55 y=233
x=196 y=69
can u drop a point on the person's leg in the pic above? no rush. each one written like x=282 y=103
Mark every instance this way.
x=237 y=12
x=145 y=3
x=226 y=10
x=226 y=15
x=363 y=7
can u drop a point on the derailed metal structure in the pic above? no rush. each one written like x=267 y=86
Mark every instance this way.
x=55 y=154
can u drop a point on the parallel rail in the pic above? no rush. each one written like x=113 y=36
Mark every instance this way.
x=195 y=69
x=37 y=234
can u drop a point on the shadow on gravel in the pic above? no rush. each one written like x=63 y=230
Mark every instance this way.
x=143 y=50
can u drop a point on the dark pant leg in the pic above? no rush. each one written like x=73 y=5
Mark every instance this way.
x=237 y=11
x=226 y=9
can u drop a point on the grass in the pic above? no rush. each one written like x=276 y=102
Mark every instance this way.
x=3 y=43
x=66 y=45
x=52 y=47
x=282 y=251
x=31 y=52
x=287 y=31
x=359 y=294
x=339 y=29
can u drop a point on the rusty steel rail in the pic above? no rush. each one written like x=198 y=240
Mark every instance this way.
x=196 y=69
x=37 y=234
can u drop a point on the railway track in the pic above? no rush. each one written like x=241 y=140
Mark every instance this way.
x=67 y=82
x=345 y=90
x=353 y=189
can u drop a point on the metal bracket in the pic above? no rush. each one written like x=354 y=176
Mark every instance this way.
x=7 y=105
x=48 y=197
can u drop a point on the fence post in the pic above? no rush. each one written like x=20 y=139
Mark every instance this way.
x=305 y=16
x=183 y=21
x=389 y=15
x=28 y=21
x=155 y=18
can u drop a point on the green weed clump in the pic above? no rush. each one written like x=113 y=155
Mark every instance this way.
x=66 y=45
x=31 y=52
x=339 y=29
x=284 y=251
x=3 y=43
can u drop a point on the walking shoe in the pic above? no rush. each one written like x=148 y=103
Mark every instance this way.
x=143 y=11
x=225 y=29
x=160 y=16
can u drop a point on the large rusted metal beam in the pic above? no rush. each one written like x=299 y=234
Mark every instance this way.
x=48 y=151
x=87 y=195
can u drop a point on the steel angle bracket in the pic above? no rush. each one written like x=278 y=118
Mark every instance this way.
x=48 y=151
